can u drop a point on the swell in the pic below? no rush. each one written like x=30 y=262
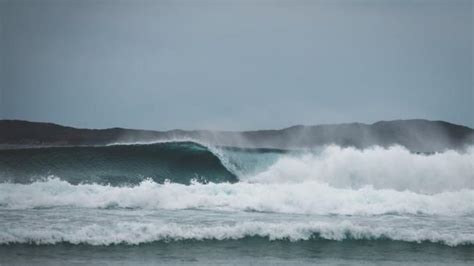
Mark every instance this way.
x=250 y=250
x=178 y=162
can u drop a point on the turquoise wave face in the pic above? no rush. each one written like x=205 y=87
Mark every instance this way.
x=178 y=162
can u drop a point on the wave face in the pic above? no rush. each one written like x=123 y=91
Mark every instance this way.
x=180 y=191
x=178 y=162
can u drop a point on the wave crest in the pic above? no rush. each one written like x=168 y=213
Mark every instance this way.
x=115 y=164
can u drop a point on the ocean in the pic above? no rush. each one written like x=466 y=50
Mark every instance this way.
x=182 y=202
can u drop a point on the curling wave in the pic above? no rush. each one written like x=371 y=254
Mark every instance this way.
x=179 y=162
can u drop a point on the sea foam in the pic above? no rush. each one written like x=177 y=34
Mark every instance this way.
x=334 y=193
x=383 y=168
x=139 y=232
x=310 y=197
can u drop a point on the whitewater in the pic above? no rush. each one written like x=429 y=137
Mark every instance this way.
x=185 y=192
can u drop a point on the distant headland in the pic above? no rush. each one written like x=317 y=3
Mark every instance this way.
x=417 y=135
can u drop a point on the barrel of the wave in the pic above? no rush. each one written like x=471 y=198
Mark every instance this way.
x=178 y=162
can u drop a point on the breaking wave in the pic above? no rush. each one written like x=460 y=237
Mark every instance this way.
x=307 y=198
x=393 y=168
x=138 y=233
x=183 y=162
x=181 y=176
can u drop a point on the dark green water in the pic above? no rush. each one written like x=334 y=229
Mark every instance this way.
x=178 y=162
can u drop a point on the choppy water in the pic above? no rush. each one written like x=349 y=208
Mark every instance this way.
x=183 y=202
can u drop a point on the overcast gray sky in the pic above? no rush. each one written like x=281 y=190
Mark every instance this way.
x=235 y=64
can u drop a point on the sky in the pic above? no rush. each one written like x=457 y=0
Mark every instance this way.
x=235 y=64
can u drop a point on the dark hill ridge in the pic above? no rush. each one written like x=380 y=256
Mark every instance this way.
x=416 y=135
